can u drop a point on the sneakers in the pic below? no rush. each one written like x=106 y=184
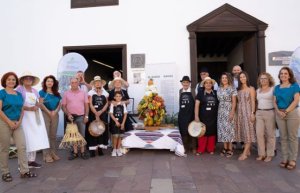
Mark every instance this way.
x=103 y=146
x=119 y=152
x=34 y=165
x=114 y=153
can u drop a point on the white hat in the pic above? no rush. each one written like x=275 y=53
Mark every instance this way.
x=29 y=74
x=98 y=78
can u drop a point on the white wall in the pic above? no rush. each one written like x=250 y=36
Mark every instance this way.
x=33 y=32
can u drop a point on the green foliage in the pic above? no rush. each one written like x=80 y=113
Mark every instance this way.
x=171 y=119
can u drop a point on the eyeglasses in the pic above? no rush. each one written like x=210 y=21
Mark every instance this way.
x=263 y=78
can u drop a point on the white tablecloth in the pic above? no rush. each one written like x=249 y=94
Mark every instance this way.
x=159 y=139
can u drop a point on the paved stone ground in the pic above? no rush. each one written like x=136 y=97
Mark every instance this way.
x=156 y=171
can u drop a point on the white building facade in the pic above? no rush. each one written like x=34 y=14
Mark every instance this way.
x=34 y=34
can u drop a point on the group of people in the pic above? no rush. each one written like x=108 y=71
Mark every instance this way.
x=232 y=112
x=235 y=112
x=30 y=117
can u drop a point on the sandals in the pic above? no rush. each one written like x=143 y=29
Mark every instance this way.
x=242 y=157
x=229 y=153
x=268 y=159
x=7 y=177
x=260 y=158
x=28 y=175
x=223 y=152
x=291 y=165
x=283 y=164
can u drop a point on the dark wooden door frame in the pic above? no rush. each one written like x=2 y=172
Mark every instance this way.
x=66 y=49
x=227 y=19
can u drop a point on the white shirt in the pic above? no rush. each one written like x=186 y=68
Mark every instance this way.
x=111 y=108
x=235 y=82
x=92 y=92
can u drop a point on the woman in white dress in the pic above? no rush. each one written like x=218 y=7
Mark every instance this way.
x=33 y=122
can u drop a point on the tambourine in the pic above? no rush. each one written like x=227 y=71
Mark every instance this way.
x=196 y=129
x=96 y=128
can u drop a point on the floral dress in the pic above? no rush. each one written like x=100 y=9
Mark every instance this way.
x=226 y=128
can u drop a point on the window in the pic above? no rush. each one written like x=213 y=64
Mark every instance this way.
x=92 y=3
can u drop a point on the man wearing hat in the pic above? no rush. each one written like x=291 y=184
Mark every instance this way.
x=186 y=114
x=98 y=101
x=203 y=74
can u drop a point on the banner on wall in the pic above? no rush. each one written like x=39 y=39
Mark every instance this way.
x=163 y=76
x=68 y=65
x=295 y=64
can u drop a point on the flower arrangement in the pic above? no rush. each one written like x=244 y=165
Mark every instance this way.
x=151 y=109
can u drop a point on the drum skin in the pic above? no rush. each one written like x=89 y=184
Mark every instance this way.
x=196 y=129
x=96 y=128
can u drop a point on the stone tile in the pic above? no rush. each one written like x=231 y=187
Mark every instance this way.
x=111 y=173
x=283 y=186
x=209 y=188
x=185 y=191
x=123 y=184
x=138 y=171
x=128 y=171
x=141 y=182
x=183 y=182
x=161 y=186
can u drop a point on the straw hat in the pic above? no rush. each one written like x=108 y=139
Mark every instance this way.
x=208 y=79
x=35 y=81
x=112 y=83
x=98 y=78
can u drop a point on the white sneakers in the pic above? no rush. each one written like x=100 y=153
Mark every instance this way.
x=119 y=152
x=103 y=146
x=116 y=152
